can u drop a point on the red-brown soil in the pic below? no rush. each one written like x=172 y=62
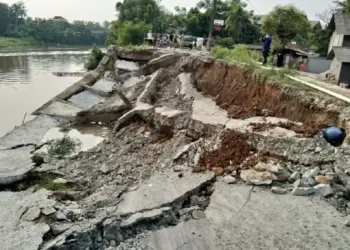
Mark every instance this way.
x=235 y=89
x=233 y=151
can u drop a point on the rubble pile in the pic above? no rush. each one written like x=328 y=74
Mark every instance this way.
x=201 y=136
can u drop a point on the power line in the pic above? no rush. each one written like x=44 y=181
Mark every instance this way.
x=252 y=6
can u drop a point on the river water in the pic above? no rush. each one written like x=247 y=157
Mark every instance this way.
x=27 y=82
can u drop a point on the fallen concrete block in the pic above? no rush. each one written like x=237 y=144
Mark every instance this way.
x=30 y=133
x=61 y=110
x=15 y=164
x=161 y=190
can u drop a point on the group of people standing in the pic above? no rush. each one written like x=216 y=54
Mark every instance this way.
x=173 y=41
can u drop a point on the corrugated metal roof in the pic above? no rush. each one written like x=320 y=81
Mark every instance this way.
x=342 y=54
x=342 y=23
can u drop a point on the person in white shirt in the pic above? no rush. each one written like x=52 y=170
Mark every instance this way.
x=149 y=37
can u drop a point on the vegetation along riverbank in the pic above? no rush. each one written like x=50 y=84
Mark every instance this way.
x=16 y=26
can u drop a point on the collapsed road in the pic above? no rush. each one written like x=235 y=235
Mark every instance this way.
x=204 y=156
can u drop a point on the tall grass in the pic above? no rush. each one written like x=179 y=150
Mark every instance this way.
x=16 y=42
x=239 y=54
x=250 y=61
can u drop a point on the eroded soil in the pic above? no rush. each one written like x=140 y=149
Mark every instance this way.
x=235 y=89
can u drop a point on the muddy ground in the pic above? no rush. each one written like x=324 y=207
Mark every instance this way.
x=201 y=130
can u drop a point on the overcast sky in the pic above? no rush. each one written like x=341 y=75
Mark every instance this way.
x=100 y=10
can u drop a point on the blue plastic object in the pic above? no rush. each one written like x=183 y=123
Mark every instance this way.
x=334 y=135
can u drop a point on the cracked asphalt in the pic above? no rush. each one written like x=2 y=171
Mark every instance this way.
x=246 y=217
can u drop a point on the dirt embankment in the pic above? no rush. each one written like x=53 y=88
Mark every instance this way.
x=235 y=89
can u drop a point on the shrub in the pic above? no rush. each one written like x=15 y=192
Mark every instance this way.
x=94 y=58
x=132 y=33
x=62 y=147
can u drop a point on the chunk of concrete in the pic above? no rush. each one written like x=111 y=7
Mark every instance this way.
x=303 y=191
x=324 y=189
x=229 y=179
x=161 y=190
x=15 y=164
x=31 y=214
x=29 y=133
x=16 y=231
x=311 y=173
x=279 y=190
x=257 y=178
x=148 y=215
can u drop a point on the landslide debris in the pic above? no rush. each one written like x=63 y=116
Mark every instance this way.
x=157 y=168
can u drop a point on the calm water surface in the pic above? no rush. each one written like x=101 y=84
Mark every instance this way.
x=27 y=82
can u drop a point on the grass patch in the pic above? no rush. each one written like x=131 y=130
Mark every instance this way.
x=16 y=42
x=50 y=185
x=249 y=60
x=94 y=58
x=62 y=147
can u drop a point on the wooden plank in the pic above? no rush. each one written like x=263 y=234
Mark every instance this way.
x=89 y=80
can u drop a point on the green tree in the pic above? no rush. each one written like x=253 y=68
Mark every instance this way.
x=137 y=11
x=4 y=18
x=285 y=23
x=132 y=33
x=18 y=13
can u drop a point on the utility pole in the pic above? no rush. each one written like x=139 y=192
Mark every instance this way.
x=211 y=24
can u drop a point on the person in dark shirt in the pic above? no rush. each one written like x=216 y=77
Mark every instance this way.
x=171 y=40
x=204 y=45
x=334 y=135
x=266 y=40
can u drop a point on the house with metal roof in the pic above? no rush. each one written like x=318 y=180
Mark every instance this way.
x=339 y=48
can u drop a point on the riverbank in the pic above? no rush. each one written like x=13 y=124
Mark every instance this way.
x=10 y=42
x=201 y=155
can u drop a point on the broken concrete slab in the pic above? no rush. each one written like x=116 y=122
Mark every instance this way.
x=88 y=79
x=85 y=99
x=194 y=235
x=171 y=117
x=161 y=190
x=204 y=109
x=150 y=88
x=264 y=219
x=16 y=232
x=148 y=215
x=62 y=110
x=15 y=164
x=29 y=133
x=144 y=110
x=103 y=85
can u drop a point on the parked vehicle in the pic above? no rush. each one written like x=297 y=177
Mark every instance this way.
x=188 y=41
